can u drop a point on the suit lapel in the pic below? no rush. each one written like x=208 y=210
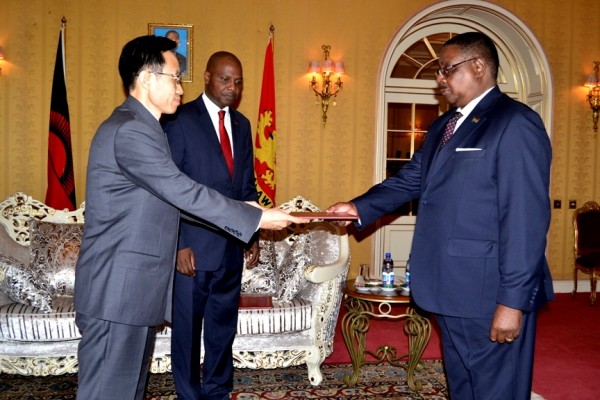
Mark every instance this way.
x=238 y=150
x=465 y=131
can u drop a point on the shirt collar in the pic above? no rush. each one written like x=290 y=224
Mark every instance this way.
x=466 y=110
x=211 y=107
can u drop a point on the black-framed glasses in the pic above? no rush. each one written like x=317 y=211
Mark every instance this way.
x=176 y=77
x=446 y=71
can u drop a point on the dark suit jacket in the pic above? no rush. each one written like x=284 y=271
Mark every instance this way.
x=126 y=262
x=196 y=150
x=484 y=211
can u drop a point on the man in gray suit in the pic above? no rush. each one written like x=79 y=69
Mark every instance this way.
x=133 y=197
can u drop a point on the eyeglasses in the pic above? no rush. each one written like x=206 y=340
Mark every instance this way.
x=176 y=77
x=446 y=71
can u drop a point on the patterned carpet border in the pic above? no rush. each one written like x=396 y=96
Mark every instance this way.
x=375 y=382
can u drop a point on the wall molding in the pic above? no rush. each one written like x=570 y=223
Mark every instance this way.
x=566 y=286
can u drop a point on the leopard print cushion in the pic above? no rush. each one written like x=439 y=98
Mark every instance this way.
x=54 y=248
x=21 y=286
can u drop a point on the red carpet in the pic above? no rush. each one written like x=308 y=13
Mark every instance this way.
x=567 y=360
x=382 y=331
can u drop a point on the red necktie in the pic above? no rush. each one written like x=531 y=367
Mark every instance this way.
x=225 y=143
x=449 y=130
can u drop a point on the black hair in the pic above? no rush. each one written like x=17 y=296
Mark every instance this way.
x=477 y=44
x=144 y=52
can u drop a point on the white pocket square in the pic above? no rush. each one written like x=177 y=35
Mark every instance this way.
x=468 y=149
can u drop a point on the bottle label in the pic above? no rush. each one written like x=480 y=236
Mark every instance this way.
x=385 y=278
x=388 y=279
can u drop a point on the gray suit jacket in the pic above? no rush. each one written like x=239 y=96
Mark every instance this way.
x=133 y=196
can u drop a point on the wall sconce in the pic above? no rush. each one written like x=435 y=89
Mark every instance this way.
x=1 y=59
x=593 y=84
x=328 y=90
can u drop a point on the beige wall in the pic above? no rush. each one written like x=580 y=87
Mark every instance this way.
x=325 y=164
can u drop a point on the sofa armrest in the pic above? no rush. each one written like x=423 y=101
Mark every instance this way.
x=319 y=273
x=324 y=273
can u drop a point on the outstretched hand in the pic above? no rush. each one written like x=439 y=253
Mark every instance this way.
x=343 y=207
x=276 y=218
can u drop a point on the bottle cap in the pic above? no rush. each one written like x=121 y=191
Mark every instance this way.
x=388 y=255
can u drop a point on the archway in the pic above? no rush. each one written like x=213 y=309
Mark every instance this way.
x=408 y=97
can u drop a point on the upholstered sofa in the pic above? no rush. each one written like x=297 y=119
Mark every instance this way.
x=302 y=268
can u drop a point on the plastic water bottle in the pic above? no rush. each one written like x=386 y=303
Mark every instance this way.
x=407 y=276
x=388 y=271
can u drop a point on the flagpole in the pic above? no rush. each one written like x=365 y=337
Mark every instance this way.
x=60 y=192
x=63 y=28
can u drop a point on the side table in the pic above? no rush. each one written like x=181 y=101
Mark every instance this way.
x=362 y=306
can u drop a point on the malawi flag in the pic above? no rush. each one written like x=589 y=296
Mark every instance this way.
x=60 y=193
x=264 y=145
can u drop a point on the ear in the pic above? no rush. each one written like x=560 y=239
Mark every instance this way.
x=480 y=68
x=144 y=79
x=206 y=77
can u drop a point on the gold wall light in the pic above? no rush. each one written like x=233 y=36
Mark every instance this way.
x=329 y=89
x=1 y=59
x=593 y=84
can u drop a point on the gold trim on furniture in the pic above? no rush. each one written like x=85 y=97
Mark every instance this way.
x=355 y=325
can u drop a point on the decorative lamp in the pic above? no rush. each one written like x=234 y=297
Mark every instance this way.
x=593 y=84
x=329 y=90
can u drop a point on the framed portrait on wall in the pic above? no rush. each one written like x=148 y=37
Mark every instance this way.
x=182 y=34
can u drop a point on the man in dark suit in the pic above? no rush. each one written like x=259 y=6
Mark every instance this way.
x=134 y=192
x=478 y=254
x=209 y=263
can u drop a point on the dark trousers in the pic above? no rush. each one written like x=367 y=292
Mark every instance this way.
x=113 y=359
x=209 y=299
x=479 y=369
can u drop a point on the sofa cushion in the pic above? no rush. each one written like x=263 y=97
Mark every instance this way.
x=292 y=266
x=262 y=278
x=9 y=247
x=26 y=323
x=20 y=285
x=284 y=317
x=54 y=248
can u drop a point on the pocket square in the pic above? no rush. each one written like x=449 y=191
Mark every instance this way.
x=468 y=149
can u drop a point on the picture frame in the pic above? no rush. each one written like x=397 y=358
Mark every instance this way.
x=184 y=51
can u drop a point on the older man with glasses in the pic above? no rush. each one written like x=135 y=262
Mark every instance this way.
x=478 y=254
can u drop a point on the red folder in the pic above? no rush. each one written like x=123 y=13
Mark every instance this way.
x=339 y=216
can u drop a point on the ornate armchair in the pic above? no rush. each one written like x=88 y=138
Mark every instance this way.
x=586 y=227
